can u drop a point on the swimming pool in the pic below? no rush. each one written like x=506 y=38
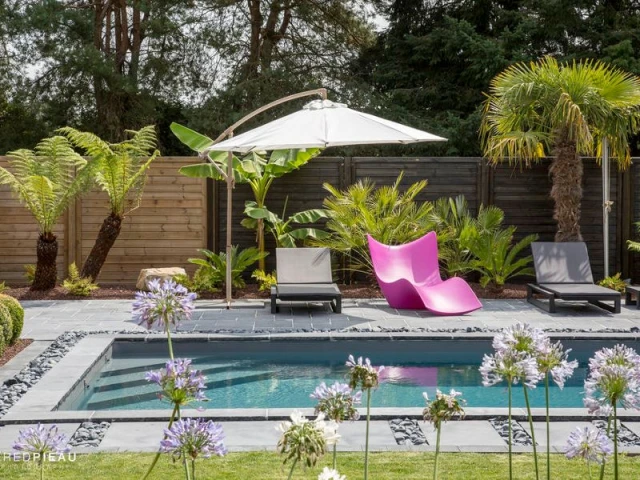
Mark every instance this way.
x=282 y=374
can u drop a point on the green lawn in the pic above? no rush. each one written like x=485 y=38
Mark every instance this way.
x=267 y=466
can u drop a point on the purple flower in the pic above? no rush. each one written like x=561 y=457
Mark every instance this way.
x=521 y=338
x=589 y=443
x=193 y=438
x=166 y=303
x=511 y=366
x=180 y=383
x=41 y=440
x=553 y=359
x=443 y=408
x=614 y=379
x=337 y=402
x=363 y=374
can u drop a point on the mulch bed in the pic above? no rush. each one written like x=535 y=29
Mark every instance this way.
x=12 y=350
x=357 y=290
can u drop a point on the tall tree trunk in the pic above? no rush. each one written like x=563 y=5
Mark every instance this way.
x=46 y=274
x=566 y=173
x=106 y=238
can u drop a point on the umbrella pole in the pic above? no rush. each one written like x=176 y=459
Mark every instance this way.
x=605 y=204
x=229 y=225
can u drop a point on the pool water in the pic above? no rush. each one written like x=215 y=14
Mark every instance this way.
x=251 y=374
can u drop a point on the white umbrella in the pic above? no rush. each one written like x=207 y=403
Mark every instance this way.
x=320 y=124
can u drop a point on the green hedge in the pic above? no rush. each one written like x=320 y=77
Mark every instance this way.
x=6 y=328
x=17 y=317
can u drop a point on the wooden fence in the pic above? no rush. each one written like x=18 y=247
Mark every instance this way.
x=179 y=215
x=167 y=228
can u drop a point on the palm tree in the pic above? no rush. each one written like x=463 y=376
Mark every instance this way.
x=566 y=109
x=46 y=180
x=121 y=172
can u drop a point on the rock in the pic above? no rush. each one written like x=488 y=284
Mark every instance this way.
x=147 y=274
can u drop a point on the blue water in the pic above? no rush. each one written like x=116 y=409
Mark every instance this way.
x=249 y=374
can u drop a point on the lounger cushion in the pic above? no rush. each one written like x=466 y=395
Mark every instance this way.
x=580 y=290
x=561 y=262
x=308 y=291
x=303 y=265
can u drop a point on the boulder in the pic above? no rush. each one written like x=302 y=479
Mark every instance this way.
x=147 y=274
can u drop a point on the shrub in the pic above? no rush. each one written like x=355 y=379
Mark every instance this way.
x=265 y=280
x=77 y=285
x=213 y=266
x=496 y=259
x=30 y=273
x=387 y=214
x=200 y=282
x=17 y=316
x=3 y=344
x=3 y=287
x=6 y=327
x=614 y=282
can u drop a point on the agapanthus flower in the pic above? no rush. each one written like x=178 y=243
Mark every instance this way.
x=521 y=338
x=180 y=383
x=330 y=474
x=444 y=407
x=41 y=440
x=338 y=402
x=165 y=303
x=306 y=440
x=589 y=443
x=553 y=359
x=362 y=374
x=192 y=438
x=510 y=366
x=614 y=379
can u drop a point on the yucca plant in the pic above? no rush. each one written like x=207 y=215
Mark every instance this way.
x=284 y=234
x=564 y=109
x=214 y=265
x=46 y=180
x=389 y=215
x=254 y=169
x=121 y=172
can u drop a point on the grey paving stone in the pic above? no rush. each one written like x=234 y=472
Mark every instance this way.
x=633 y=426
x=352 y=434
x=558 y=432
x=465 y=433
x=261 y=435
x=133 y=436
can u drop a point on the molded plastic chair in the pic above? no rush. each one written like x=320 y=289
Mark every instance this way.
x=409 y=277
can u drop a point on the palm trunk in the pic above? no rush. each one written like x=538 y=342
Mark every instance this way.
x=46 y=274
x=566 y=174
x=106 y=238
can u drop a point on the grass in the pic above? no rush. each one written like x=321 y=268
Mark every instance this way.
x=268 y=466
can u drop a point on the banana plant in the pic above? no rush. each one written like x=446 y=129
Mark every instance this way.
x=214 y=265
x=255 y=169
x=283 y=232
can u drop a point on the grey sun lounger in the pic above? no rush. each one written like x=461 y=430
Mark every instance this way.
x=304 y=274
x=563 y=272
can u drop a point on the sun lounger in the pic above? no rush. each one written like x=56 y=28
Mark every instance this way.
x=304 y=274
x=563 y=272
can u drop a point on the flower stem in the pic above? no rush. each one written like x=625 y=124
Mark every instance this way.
x=169 y=342
x=435 y=463
x=41 y=469
x=187 y=475
x=366 y=439
x=546 y=395
x=157 y=457
x=510 y=449
x=604 y=462
x=293 y=465
x=533 y=435
x=335 y=453
x=193 y=469
x=615 y=440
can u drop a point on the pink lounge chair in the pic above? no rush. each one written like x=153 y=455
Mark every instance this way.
x=409 y=277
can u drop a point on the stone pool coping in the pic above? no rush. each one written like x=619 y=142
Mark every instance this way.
x=40 y=402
